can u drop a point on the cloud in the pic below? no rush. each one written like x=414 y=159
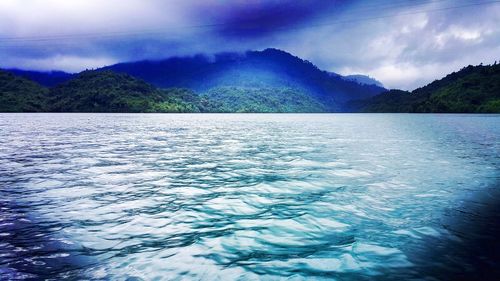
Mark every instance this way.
x=409 y=50
x=243 y=19
x=403 y=44
x=68 y=63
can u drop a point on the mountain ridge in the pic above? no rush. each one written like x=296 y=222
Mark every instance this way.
x=108 y=91
x=258 y=81
x=267 y=68
x=18 y=94
x=45 y=78
x=363 y=79
x=472 y=89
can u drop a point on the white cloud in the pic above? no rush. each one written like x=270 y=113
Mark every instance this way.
x=410 y=51
x=404 y=51
x=458 y=33
x=55 y=17
x=58 y=62
x=418 y=22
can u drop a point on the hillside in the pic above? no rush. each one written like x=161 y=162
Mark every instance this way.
x=259 y=99
x=18 y=94
x=363 y=79
x=106 y=91
x=45 y=78
x=253 y=72
x=270 y=68
x=251 y=86
x=473 y=89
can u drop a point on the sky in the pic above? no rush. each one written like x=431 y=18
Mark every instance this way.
x=403 y=44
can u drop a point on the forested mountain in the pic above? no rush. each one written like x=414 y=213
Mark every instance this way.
x=259 y=99
x=95 y=91
x=45 y=78
x=472 y=89
x=106 y=91
x=363 y=79
x=18 y=94
x=253 y=72
x=270 y=68
x=267 y=81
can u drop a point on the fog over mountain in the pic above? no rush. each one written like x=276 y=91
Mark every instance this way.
x=271 y=80
x=404 y=44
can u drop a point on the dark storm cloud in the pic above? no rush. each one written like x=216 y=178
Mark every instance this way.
x=405 y=44
x=261 y=18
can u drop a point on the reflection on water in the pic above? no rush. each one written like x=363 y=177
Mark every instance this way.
x=200 y=196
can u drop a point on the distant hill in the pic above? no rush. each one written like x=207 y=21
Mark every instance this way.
x=266 y=69
x=106 y=91
x=473 y=89
x=18 y=94
x=260 y=99
x=45 y=78
x=266 y=81
x=363 y=79
x=253 y=73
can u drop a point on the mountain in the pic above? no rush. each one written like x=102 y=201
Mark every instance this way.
x=473 y=89
x=363 y=79
x=18 y=94
x=266 y=69
x=261 y=99
x=106 y=91
x=45 y=78
x=274 y=80
x=264 y=81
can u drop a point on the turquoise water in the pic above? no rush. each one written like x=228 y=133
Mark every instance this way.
x=250 y=196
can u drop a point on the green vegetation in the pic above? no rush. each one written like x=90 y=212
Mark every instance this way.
x=20 y=95
x=106 y=91
x=259 y=99
x=270 y=68
x=470 y=90
x=473 y=89
x=180 y=100
x=95 y=91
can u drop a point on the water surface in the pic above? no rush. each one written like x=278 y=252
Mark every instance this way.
x=250 y=196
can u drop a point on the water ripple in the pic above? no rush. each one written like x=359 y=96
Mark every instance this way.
x=239 y=197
